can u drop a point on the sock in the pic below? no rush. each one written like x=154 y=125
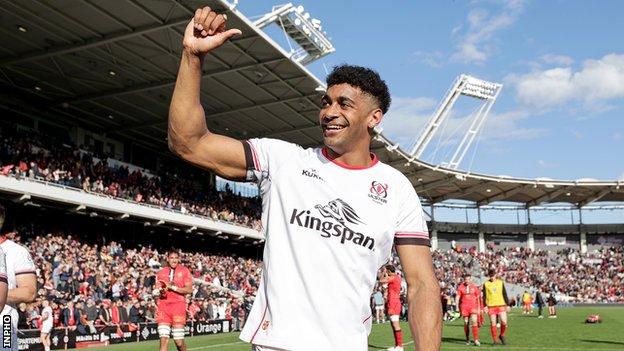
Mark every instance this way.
x=467 y=332
x=475 y=332
x=398 y=338
x=503 y=328
x=493 y=331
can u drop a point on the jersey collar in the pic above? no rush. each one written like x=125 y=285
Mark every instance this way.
x=325 y=154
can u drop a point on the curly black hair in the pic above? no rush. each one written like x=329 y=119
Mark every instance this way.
x=364 y=78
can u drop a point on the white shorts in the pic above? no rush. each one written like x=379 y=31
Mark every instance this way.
x=394 y=318
x=46 y=329
x=379 y=308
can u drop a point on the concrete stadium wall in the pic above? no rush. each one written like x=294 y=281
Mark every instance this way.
x=557 y=242
x=539 y=237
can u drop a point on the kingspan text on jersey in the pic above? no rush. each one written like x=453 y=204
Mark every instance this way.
x=329 y=228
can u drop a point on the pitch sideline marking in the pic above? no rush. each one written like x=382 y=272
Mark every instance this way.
x=211 y=346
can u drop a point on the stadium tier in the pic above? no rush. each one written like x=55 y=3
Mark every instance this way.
x=94 y=194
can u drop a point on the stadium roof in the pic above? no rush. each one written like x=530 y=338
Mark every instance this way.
x=110 y=67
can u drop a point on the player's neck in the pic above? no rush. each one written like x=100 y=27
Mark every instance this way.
x=359 y=158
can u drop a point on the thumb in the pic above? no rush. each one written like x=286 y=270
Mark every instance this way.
x=223 y=37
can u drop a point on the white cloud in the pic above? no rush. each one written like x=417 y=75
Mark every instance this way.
x=597 y=82
x=576 y=133
x=475 y=45
x=408 y=116
x=562 y=60
x=545 y=164
x=432 y=59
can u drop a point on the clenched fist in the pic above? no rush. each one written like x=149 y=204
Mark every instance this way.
x=206 y=32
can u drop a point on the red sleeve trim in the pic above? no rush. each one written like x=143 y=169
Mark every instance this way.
x=422 y=235
x=256 y=160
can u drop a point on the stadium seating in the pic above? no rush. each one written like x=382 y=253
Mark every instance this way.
x=72 y=270
x=594 y=277
x=59 y=162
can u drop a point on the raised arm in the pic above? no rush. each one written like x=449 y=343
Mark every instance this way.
x=4 y=283
x=423 y=296
x=188 y=134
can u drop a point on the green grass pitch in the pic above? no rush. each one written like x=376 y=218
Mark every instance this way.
x=568 y=332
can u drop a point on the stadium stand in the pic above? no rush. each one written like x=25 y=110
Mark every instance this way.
x=44 y=158
x=70 y=269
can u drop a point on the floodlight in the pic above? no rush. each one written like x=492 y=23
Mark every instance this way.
x=302 y=29
x=468 y=86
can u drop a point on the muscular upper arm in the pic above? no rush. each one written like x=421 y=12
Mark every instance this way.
x=4 y=290
x=417 y=265
x=220 y=154
x=27 y=281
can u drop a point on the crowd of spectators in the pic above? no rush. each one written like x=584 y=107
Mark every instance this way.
x=89 y=285
x=27 y=157
x=596 y=276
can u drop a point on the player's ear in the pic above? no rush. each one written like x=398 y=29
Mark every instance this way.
x=374 y=118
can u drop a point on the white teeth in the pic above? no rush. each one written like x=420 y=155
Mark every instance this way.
x=334 y=127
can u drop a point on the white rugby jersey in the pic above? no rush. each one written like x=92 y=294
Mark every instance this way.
x=18 y=262
x=328 y=228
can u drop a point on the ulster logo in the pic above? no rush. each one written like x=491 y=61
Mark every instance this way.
x=378 y=192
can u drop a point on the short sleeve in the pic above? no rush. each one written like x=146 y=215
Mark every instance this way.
x=3 y=267
x=265 y=156
x=188 y=276
x=411 y=227
x=24 y=263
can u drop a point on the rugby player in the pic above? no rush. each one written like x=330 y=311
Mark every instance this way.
x=175 y=282
x=330 y=214
x=468 y=300
x=527 y=301
x=47 y=322
x=552 y=303
x=496 y=305
x=393 y=304
x=380 y=313
x=21 y=277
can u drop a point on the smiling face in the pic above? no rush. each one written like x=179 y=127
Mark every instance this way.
x=347 y=117
x=173 y=259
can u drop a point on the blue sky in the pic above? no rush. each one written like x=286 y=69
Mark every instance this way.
x=561 y=110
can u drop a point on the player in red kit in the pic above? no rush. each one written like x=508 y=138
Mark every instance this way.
x=394 y=304
x=173 y=283
x=468 y=300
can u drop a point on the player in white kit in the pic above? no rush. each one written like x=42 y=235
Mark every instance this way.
x=22 y=283
x=330 y=215
x=47 y=322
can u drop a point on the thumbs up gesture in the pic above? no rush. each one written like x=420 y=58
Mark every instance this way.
x=206 y=32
